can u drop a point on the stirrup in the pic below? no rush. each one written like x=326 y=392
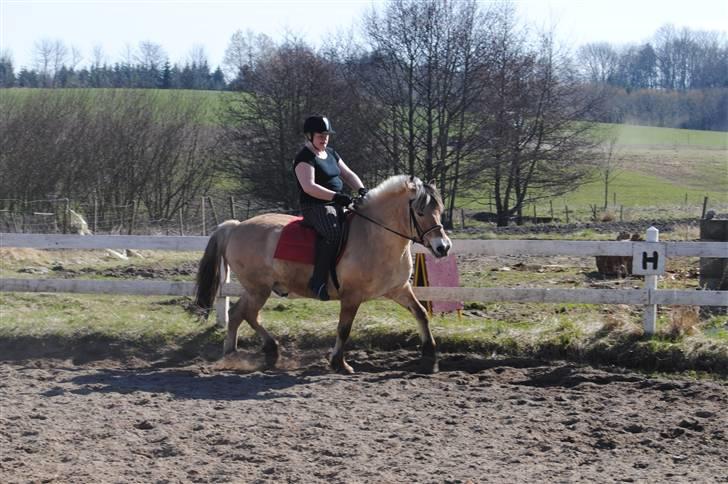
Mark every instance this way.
x=321 y=293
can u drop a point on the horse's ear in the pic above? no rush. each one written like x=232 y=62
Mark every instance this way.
x=431 y=182
x=412 y=183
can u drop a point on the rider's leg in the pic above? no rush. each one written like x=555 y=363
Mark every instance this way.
x=324 y=219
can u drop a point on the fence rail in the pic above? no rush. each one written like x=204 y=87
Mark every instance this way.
x=649 y=296
x=582 y=248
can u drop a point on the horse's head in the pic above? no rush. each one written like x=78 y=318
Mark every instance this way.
x=426 y=210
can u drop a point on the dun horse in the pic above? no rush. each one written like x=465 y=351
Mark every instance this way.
x=376 y=262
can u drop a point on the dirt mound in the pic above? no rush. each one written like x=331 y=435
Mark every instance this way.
x=28 y=256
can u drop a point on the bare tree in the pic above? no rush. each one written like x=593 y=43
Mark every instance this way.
x=243 y=52
x=262 y=129
x=197 y=55
x=98 y=57
x=608 y=163
x=537 y=141
x=150 y=55
x=426 y=59
x=43 y=54
x=118 y=146
x=599 y=60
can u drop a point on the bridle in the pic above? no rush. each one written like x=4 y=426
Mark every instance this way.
x=420 y=239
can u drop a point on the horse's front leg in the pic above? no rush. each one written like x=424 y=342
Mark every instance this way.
x=347 y=314
x=405 y=297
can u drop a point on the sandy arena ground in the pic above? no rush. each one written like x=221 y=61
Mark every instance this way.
x=478 y=420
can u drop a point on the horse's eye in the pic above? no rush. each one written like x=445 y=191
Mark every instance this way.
x=420 y=214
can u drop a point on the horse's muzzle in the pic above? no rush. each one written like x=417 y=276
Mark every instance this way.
x=440 y=247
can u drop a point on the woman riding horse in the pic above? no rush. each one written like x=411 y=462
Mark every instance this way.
x=320 y=173
x=376 y=263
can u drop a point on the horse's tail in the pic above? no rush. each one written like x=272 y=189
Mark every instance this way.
x=208 y=272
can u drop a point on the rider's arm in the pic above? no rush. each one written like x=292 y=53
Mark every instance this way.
x=349 y=177
x=306 y=177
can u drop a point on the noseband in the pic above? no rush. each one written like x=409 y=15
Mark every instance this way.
x=420 y=239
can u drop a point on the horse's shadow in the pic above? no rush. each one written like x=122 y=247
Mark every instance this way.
x=186 y=384
x=244 y=376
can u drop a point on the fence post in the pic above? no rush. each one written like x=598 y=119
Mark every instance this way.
x=132 y=222
x=181 y=222
x=232 y=208
x=705 y=206
x=204 y=222
x=96 y=214
x=214 y=212
x=23 y=209
x=650 y=317
x=222 y=305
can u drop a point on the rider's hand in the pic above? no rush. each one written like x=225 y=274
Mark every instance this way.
x=363 y=192
x=342 y=199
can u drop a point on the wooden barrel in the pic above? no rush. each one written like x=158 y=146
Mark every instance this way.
x=714 y=271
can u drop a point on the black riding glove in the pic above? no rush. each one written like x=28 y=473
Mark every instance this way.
x=363 y=192
x=342 y=199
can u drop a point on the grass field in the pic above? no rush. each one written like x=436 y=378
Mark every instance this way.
x=632 y=135
x=661 y=170
x=138 y=325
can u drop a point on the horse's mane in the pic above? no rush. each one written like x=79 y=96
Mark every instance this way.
x=426 y=194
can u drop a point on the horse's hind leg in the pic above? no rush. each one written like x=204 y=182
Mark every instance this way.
x=405 y=297
x=254 y=302
x=248 y=308
x=235 y=316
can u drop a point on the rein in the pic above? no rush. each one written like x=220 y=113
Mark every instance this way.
x=420 y=239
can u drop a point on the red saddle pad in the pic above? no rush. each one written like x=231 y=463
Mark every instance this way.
x=297 y=243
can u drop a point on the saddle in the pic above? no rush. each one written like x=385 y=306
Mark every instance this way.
x=298 y=243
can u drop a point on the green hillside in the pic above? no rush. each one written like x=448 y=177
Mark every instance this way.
x=632 y=135
x=658 y=166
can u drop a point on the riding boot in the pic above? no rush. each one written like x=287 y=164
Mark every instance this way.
x=325 y=255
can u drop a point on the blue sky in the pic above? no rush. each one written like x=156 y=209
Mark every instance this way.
x=181 y=25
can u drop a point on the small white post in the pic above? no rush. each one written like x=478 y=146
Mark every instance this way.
x=222 y=304
x=650 y=317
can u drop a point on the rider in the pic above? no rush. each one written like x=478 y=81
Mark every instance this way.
x=321 y=173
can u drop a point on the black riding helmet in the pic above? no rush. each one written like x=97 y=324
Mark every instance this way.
x=317 y=124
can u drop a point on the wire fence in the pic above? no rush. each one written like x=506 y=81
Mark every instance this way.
x=64 y=216
x=200 y=217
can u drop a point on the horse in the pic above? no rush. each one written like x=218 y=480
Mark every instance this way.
x=376 y=262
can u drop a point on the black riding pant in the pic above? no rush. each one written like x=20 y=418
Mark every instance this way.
x=326 y=220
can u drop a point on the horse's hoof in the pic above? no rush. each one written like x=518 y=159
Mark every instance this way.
x=345 y=370
x=271 y=359
x=342 y=367
x=270 y=350
x=428 y=366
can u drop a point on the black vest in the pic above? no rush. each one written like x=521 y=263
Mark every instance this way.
x=326 y=173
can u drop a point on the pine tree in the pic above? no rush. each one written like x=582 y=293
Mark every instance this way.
x=217 y=81
x=165 y=80
x=7 y=75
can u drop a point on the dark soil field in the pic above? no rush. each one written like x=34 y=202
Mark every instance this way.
x=478 y=420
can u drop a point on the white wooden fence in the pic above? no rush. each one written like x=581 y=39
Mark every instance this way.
x=649 y=296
